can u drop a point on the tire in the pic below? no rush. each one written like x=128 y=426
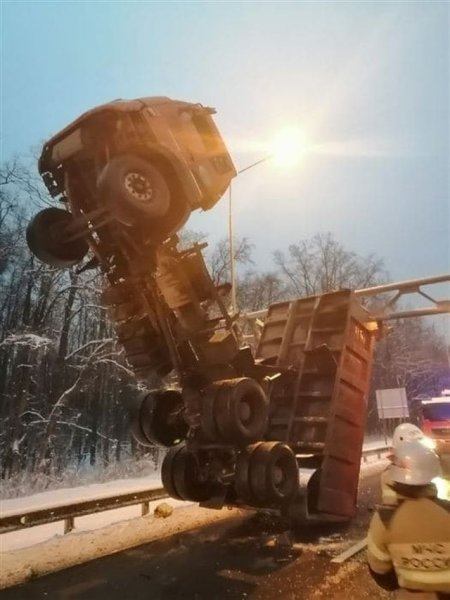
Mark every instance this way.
x=161 y=420
x=135 y=422
x=241 y=411
x=187 y=480
x=242 y=476
x=313 y=489
x=267 y=474
x=181 y=478
x=45 y=239
x=207 y=415
x=167 y=472
x=133 y=188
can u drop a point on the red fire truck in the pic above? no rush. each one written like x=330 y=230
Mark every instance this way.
x=436 y=421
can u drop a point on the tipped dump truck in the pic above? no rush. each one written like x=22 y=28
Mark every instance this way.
x=239 y=422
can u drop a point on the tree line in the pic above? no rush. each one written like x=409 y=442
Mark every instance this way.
x=65 y=383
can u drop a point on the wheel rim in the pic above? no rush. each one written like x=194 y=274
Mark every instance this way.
x=138 y=186
x=245 y=412
x=273 y=474
x=240 y=410
x=278 y=476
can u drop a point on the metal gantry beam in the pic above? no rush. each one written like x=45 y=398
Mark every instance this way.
x=413 y=286
x=385 y=312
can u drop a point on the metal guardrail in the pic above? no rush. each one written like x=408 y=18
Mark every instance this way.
x=68 y=512
x=378 y=452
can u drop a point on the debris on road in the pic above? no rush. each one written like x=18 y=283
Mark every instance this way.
x=163 y=510
x=350 y=551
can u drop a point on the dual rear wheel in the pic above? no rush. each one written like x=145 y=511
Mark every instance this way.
x=157 y=418
x=234 y=411
x=267 y=474
x=182 y=477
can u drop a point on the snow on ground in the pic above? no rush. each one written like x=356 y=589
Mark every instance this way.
x=43 y=549
x=82 y=546
x=15 y=540
x=33 y=536
x=86 y=492
x=97 y=535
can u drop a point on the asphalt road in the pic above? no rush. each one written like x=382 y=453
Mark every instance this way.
x=248 y=557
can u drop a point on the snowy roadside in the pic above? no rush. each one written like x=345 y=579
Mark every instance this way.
x=35 y=535
x=93 y=491
x=82 y=546
x=30 y=553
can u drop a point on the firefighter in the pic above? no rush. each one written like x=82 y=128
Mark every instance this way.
x=405 y=432
x=409 y=544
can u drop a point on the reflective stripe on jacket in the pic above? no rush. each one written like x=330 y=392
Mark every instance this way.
x=412 y=539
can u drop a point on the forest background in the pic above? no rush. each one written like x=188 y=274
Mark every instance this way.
x=65 y=384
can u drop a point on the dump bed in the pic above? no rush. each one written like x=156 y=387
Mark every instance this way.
x=320 y=411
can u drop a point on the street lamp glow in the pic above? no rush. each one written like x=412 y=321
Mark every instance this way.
x=288 y=147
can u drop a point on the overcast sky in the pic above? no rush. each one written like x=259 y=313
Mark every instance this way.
x=367 y=83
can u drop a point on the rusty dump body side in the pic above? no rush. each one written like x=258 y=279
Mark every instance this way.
x=321 y=411
x=181 y=134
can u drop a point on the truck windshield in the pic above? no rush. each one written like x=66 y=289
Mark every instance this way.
x=436 y=412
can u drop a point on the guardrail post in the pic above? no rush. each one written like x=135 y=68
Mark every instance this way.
x=145 y=508
x=69 y=524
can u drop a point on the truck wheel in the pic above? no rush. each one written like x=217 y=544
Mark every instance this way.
x=267 y=474
x=274 y=473
x=132 y=188
x=162 y=418
x=241 y=411
x=167 y=471
x=45 y=239
x=137 y=432
x=242 y=476
x=181 y=477
x=313 y=489
x=158 y=419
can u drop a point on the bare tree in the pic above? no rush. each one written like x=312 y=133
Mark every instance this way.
x=218 y=258
x=412 y=355
x=256 y=291
x=322 y=264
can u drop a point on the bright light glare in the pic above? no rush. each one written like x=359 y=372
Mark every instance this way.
x=428 y=443
x=443 y=488
x=288 y=147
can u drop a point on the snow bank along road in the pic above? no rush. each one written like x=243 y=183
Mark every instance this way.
x=204 y=555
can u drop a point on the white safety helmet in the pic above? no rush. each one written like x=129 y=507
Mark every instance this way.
x=406 y=432
x=414 y=464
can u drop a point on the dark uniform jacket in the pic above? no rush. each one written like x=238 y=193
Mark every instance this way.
x=409 y=543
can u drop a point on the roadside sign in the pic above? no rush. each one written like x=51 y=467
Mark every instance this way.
x=392 y=404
